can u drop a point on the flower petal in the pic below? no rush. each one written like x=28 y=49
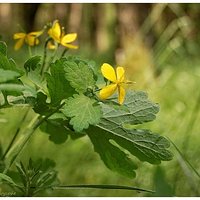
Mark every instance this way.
x=19 y=44
x=36 y=33
x=31 y=40
x=55 y=31
x=70 y=46
x=68 y=38
x=120 y=74
x=108 y=72
x=51 y=45
x=107 y=91
x=19 y=36
x=121 y=94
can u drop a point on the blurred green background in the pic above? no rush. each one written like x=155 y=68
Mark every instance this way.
x=159 y=46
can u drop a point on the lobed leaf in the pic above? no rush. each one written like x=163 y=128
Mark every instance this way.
x=83 y=112
x=143 y=144
x=113 y=157
x=137 y=109
x=59 y=88
x=32 y=63
x=5 y=63
x=80 y=76
x=58 y=133
x=40 y=105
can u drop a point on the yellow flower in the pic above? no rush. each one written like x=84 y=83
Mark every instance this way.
x=29 y=38
x=58 y=35
x=117 y=78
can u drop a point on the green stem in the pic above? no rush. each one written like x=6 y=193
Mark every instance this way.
x=44 y=56
x=45 y=68
x=29 y=50
x=107 y=187
x=15 y=135
x=64 y=52
x=16 y=150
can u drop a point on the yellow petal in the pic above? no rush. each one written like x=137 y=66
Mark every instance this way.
x=36 y=33
x=55 y=31
x=108 y=72
x=120 y=74
x=31 y=40
x=19 y=44
x=70 y=46
x=68 y=38
x=107 y=91
x=19 y=36
x=121 y=94
x=51 y=45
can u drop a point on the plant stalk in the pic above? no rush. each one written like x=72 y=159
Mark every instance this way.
x=15 y=135
x=44 y=56
x=20 y=144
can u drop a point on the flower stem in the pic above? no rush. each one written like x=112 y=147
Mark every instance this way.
x=64 y=52
x=30 y=51
x=44 y=56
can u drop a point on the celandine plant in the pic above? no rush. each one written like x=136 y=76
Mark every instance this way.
x=67 y=101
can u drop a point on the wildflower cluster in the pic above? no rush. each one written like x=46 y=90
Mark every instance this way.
x=58 y=37
x=67 y=100
x=56 y=33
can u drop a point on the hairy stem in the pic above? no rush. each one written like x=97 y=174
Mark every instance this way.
x=44 y=56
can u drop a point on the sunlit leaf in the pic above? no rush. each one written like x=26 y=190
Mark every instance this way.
x=79 y=75
x=83 y=112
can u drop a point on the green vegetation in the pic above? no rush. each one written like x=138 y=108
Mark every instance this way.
x=171 y=79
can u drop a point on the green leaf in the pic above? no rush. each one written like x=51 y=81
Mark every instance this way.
x=83 y=112
x=143 y=144
x=79 y=75
x=12 y=87
x=8 y=67
x=3 y=48
x=40 y=105
x=32 y=63
x=137 y=109
x=7 y=75
x=114 y=158
x=59 y=88
x=58 y=133
x=7 y=64
x=4 y=177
